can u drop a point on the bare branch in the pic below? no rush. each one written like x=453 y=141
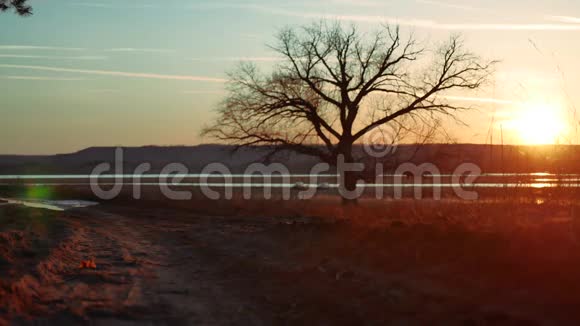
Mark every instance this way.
x=312 y=101
x=20 y=7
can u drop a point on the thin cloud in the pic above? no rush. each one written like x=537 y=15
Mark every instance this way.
x=479 y=99
x=22 y=56
x=359 y=3
x=448 y=5
x=113 y=5
x=215 y=92
x=35 y=47
x=41 y=78
x=420 y=23
x=251 y=59
x=140 y=50
x=118 y=73
x=57 y=48
x=565 y=19
x=453 y=26
x=565 y=22
x=403 y=21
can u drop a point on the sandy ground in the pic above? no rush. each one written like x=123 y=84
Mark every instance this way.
x=162 y=265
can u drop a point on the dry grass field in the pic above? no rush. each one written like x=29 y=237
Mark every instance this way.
x=394 y=262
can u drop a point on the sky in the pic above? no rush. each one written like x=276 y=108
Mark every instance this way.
x=82 y=73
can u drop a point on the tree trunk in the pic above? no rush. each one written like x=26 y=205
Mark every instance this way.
x=349 y=178
x=350 y=181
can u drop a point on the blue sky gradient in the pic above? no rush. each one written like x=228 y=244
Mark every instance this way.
x=138 y=72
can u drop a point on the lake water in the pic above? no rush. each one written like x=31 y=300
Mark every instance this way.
x=54 y=205
x=488 y=180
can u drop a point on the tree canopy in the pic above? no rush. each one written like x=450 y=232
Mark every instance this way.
x=21 y=7
x=336 y=84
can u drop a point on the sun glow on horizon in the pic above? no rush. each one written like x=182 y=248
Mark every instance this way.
x=540 y=123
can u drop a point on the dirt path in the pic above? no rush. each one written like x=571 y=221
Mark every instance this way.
x=171 y=266
x=148 y=269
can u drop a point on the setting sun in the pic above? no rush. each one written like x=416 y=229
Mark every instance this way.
x=540 y=124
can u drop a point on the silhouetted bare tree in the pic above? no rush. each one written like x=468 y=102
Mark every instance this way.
x=336 y=84
x=20 y=6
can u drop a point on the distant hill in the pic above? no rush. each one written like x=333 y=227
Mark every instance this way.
x=195 y=158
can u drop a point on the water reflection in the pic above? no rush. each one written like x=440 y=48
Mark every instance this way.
x=53 y=205
x=319 y=186
x=572 y=176
x=538 y=180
